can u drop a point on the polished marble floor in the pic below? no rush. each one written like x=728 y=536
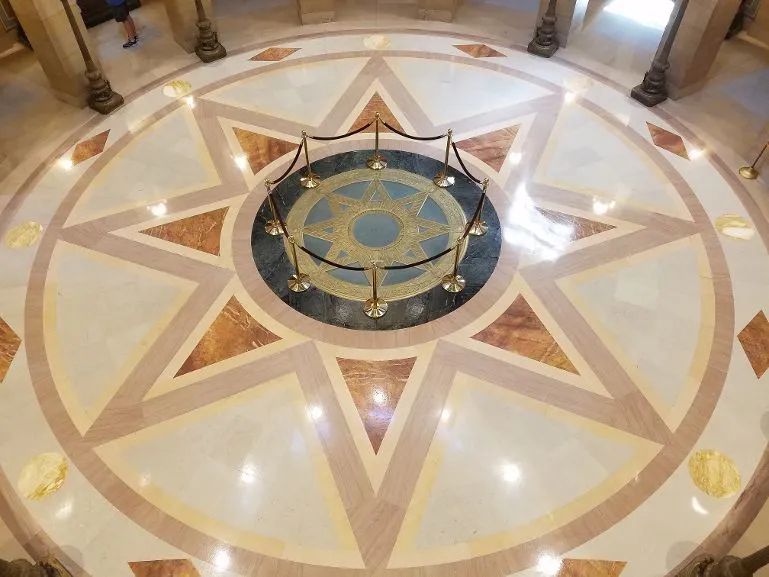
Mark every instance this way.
x=599 y=408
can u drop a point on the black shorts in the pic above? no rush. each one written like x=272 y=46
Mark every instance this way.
x=120 y=12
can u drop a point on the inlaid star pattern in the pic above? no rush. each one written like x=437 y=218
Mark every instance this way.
x=376 y=512
x=345 y=209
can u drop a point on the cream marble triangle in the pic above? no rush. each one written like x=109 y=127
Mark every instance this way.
x=619 y=172
x=654 y=312
x=166 y=160
x=483 y=495
x=303 y=93
x=102 y=314
x=462 y=90
x=268 y=485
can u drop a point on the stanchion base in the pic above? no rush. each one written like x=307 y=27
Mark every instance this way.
x=376 y=162
x=479 y=228
x=443 y=180
x=272 y=228
x=749 y=172
x=453 y=283
x=299 y=283
x=312 y=180
x=375 y=308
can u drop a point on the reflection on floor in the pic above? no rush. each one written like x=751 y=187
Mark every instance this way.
x=598 y=408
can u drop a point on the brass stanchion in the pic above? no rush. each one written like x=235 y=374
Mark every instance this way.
x=750 y=172
x=101 y=98
x=299 y=281
x=545 y=42
x=443 y=179
x=272 y=227
x=376 y=162
x=454 y=282
x=208 y=47
x=479 y=226
x=310 y=180
x=375 y=307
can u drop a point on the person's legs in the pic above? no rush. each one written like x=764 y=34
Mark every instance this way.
x=130 y=27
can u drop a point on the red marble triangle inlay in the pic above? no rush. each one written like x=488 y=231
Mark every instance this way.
x=581 y=227
x=754 y=339
x=232 y=333
x=261 y=149
x=590 y=568
x=9 y=346
x=376 y=387
x=492 y=147
x=667 y=140
x=200 y=232
x=274 y=54
x=89 y=148
x=519 y=330
x=164 y=568
x=479 y=50
x=376 y=104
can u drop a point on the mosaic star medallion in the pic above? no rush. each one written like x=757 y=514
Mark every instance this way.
x=392 y=217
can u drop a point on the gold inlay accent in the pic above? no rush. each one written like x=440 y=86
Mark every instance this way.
x=42 y=476
x=714 y=474
x=376 y=42
x=177 y=88
x=346 y=250
x=24 y=235
x=735 y=226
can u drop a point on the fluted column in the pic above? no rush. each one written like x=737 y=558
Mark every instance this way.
x=208 y=47
x=653 y=89
x=545 y=42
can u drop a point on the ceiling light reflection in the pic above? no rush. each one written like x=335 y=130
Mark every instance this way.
x=569 y=97
x=696 y=153
x=698 y=508
x=315 y=412
x=533 y=231
x=159 y=209
x=190 y=101
x=248 y=474
x=66 y=164
x=221 y=559
x=445 y=415
x=511 y=473
x=65 y=510
x=603 y=206
x=515 y=158
x=549 y=564
x=240 y=161
x=379 y=396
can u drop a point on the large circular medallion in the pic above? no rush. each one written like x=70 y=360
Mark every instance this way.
x=397 y=218
x=391 y=217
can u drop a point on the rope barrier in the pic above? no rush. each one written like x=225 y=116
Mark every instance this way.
x=351 y=133
x=462 y=164
x=411 y=136
x=291 y=166
x=466 y=232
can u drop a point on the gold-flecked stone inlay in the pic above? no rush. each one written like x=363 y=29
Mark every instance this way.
x=734 y=226
x=42 y=476
x=177 y=88
x=24 y=235
x=714 y=473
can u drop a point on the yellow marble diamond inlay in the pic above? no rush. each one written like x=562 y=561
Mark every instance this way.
x=42 y=476
x=24 y=235
x=734 y=226
x=714 y=474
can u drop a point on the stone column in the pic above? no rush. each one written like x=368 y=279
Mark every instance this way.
x=702 y=32
x=48 y=29
x=184 y=21
x=442 y=10
x=654 y=88
x=316 y=11
x=564 y=17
